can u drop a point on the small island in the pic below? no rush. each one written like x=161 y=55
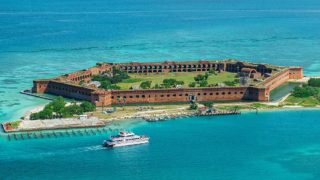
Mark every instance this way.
x=112 y=91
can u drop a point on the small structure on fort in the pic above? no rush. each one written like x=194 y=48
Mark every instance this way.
x=169 y=81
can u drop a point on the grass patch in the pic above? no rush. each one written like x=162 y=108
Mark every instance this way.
x=307 y=95
x=15 y=124
x=307 y=101
x=132 y=80
x=186 y=77
x=247 y=106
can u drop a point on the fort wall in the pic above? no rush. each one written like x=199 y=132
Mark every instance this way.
x=282 y=77
x=69 y=90
x=67 y=85
x=189 y=66
x=178 y=95
x=101 y=98
x=276 y=80
x=296 y=73
x=40 y=86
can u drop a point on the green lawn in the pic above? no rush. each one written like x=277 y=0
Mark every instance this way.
x=307 y=102
x=187 y=77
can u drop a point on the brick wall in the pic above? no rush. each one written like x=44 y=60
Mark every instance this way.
x=178 y=95
x=69 y=91
x=40 y=86
x=296 y=73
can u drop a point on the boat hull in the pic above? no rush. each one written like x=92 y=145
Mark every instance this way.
x=112 y=145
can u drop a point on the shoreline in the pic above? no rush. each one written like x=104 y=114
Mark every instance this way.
x=149 y=115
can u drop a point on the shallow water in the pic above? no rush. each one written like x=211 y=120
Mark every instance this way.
x=40 y=39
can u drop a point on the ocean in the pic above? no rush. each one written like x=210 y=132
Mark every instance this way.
x=40 y=39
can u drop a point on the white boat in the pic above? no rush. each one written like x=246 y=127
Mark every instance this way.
x=125 y=138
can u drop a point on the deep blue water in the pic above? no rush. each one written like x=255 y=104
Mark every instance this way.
x=40 y=39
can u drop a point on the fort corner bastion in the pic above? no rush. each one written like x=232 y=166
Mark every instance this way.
x=263 y=79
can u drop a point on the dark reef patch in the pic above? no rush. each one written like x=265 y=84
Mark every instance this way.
x=10 y=81
x=14 y=104
x=305 y=162
x=6 y=87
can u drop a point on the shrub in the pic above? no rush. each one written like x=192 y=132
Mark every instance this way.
x=58 y=108
x=193 y=106
x=179 y=82
x=167 y=83
x=192 y=84
x=87 y=106
x=208 y=104
x=145 y=85
x=314 y=82
x=203 y=83
x=199 y=77
x=118 y=75
x=206 y=75
x=305 y=91
x=157 y=86
x=212 y=71
x=71 y=110
x=230 y=83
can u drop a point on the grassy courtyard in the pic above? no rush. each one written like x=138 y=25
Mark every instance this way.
x=186 y=77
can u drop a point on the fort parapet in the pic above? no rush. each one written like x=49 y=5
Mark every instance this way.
x=69 y=85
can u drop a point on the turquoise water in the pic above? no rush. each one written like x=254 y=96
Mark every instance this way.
x=40 y=39
x=270 y=145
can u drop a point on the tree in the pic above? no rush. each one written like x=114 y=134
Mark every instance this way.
x=167 y=83
x=192 y=84
x=46 y=113
x=34 y=116
x=106 y=84
x=206 y=75
x=87 y=106
x=230 y=83
x=314 y=82
x=203 y=83
x=157 y=86
x=145 y=85
x=71 y=110
x=57 y=105
x=305 y=91
x=208 y=104
x=118 y=75
x=179 y=82
x=193 y=106
x=199 y=77
x=213 y=71
x=114 y=86
x=58 y=108
x=81 y=82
